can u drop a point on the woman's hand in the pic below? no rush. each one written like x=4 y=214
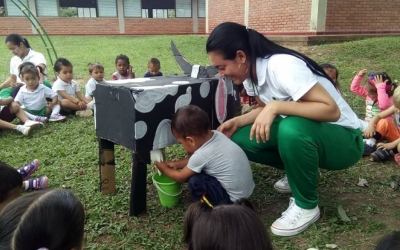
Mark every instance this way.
x=14 y=107
x=228 y=128
x=16 y=84
x=262 y=124
x=386 y=146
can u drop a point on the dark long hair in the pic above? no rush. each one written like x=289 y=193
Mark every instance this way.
x=225 y=227
x=17 y=40
x=9 y=180
x=227 y=38
x=52 y=219
x=389 y=242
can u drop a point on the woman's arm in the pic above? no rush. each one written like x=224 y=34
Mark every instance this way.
x=7 y=83
x=317 y=104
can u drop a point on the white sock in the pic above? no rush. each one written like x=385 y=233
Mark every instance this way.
x=26 y=184
x=370 y=142
x=21 y=128
x=55 y=110
x=30 y=116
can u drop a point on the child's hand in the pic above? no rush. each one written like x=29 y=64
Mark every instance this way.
x=14 y=107
x=362 y=72
x=386 y=146
x=129 y=69
x=369 y=132
x=82 y=105
x=378 y=79
x=161 y=165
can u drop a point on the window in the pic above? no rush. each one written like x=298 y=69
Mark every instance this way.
x=107 y=8
x=183 y=8
x=78 y=8
x=2 y=8
x=133 y=8
x=47 y=7
x=201 y=8
x=158 y=9
x=13 y=10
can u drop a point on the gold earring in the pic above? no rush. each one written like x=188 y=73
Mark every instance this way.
x=244 y=72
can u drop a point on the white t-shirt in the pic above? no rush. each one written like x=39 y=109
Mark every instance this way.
x=34 y=57
x=35 y=100
x=71 y=88
x=90 y=87
x=287 y=78
x=226 y=161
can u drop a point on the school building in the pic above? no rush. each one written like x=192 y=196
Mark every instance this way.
x=310 y=18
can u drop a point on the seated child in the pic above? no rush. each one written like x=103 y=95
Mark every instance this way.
x=67 y=90
x=43 y=220
x=7 y=110
x=230 y=227
x=96 y=71
x=33 y=96
x=12 y=181
x=124 y=68
x=389 y=242
x=379 y=128
x=217 y=167
x=154 y=67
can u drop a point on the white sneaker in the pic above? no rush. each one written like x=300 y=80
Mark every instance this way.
x=57 y=118
x=294 y=220
x=90 y=105
x=33 y=124
x=26 y=131
x=84 y=113
x=282 y=186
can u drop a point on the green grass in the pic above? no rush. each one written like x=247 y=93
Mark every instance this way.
x=69 y=155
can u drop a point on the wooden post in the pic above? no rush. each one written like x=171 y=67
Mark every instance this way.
x=107 y=167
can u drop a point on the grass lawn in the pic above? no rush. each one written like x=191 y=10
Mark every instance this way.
x=68 y=153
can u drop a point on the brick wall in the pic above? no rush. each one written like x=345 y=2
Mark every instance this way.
x=14 y=25
x=225 y=11
x=280 y=17
x=101 y=26
x=363 y=16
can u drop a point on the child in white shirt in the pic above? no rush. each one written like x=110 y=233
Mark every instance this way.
x=67 y=89
x=96 y=71
x=33 y=96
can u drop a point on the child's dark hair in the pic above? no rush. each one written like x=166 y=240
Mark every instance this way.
x=327 y=66
x=17 y=40
x=122 y=57
x=61 y=62
x=52 y=219
x=232 y=227
x=155 y=61
x=9 y=180
x=92 y=66
x=190 y=120
x=228 y=38
x=28 y=67
x=389 y=242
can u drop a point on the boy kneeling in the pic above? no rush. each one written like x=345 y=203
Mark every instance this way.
x=217 y=170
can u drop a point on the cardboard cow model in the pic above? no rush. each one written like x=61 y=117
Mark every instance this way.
x=136 y=113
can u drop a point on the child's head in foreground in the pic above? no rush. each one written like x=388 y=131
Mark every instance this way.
x=96 y=71
x=154 y=66
x=190 y=125
x=396 y=98
x=230 y=227
x=10 y=184
x=389 y=242
x=29 y=74
x=49 y=219
x=64 y=69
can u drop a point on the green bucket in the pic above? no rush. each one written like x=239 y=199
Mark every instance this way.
x=168 y=190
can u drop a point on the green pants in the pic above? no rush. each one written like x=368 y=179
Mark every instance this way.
x=6 y=92
x=300 y=146
x=41 y=112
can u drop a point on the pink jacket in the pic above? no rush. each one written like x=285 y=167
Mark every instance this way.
x=373 y=107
